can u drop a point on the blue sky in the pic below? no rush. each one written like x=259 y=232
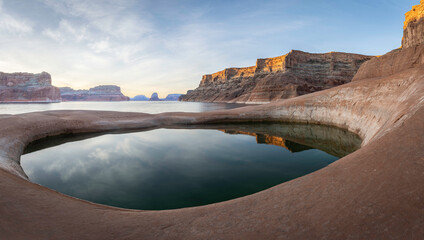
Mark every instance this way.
x=166 y=46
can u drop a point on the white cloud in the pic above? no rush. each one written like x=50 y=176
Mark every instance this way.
x=105 y=27
x=55 y=35
x=88 y=9
x=11 y=24
x=66 y=31
x=101 y=46
x=100 y=154
x=107 y=16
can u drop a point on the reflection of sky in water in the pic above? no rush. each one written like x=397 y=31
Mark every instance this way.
x=163 y=169
x=131 y=106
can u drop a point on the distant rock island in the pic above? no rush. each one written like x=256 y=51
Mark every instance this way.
x=99 y=93
x=155 y=97
x=140 y=98
x=294 y=74
x=27 y=87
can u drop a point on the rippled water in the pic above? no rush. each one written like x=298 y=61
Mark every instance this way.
x=175 y=168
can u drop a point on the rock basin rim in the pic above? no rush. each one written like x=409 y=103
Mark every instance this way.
x=365 y=107
x=374 y=193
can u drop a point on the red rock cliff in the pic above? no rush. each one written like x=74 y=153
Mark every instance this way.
x=413 y=30
x=27 y=87
x=411 y=55
x=290 y=75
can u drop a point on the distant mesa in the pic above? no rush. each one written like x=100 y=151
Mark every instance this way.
x=100 y=93
x=155 y=97
x=271 y=79
x=28 y=87
x=140 y=98
x=172 y=97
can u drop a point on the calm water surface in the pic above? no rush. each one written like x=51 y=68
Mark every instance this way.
x=131 y=106
x=175 y=168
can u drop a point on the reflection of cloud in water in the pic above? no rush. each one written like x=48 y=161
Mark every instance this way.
x=167 y=168
x=100 y=154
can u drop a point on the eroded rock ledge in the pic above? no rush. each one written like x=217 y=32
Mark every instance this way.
x=294 y=74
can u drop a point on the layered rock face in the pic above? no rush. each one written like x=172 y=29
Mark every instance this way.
x=413 y=30
x=27 y=87
x=99 y=93
x=291 y=75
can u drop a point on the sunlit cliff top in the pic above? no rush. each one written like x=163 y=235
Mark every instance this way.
x=415 y=14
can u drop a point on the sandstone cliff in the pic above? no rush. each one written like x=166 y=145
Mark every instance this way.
x=413 y=29
x=27 y=87
x=287 y=76
x=411 y=55
x=99 y=93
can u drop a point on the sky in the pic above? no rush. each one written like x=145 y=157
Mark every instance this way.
x=165 y=46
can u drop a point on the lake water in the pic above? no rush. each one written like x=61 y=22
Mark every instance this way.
x=131 y=106
x=176 y=168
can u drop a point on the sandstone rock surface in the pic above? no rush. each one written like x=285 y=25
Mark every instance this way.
x=27 y=87
x=294 y=74
x=413 y=30
x=373 y=193
x=99 y=93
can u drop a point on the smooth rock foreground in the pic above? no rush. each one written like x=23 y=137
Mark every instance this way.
x=374 y=193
